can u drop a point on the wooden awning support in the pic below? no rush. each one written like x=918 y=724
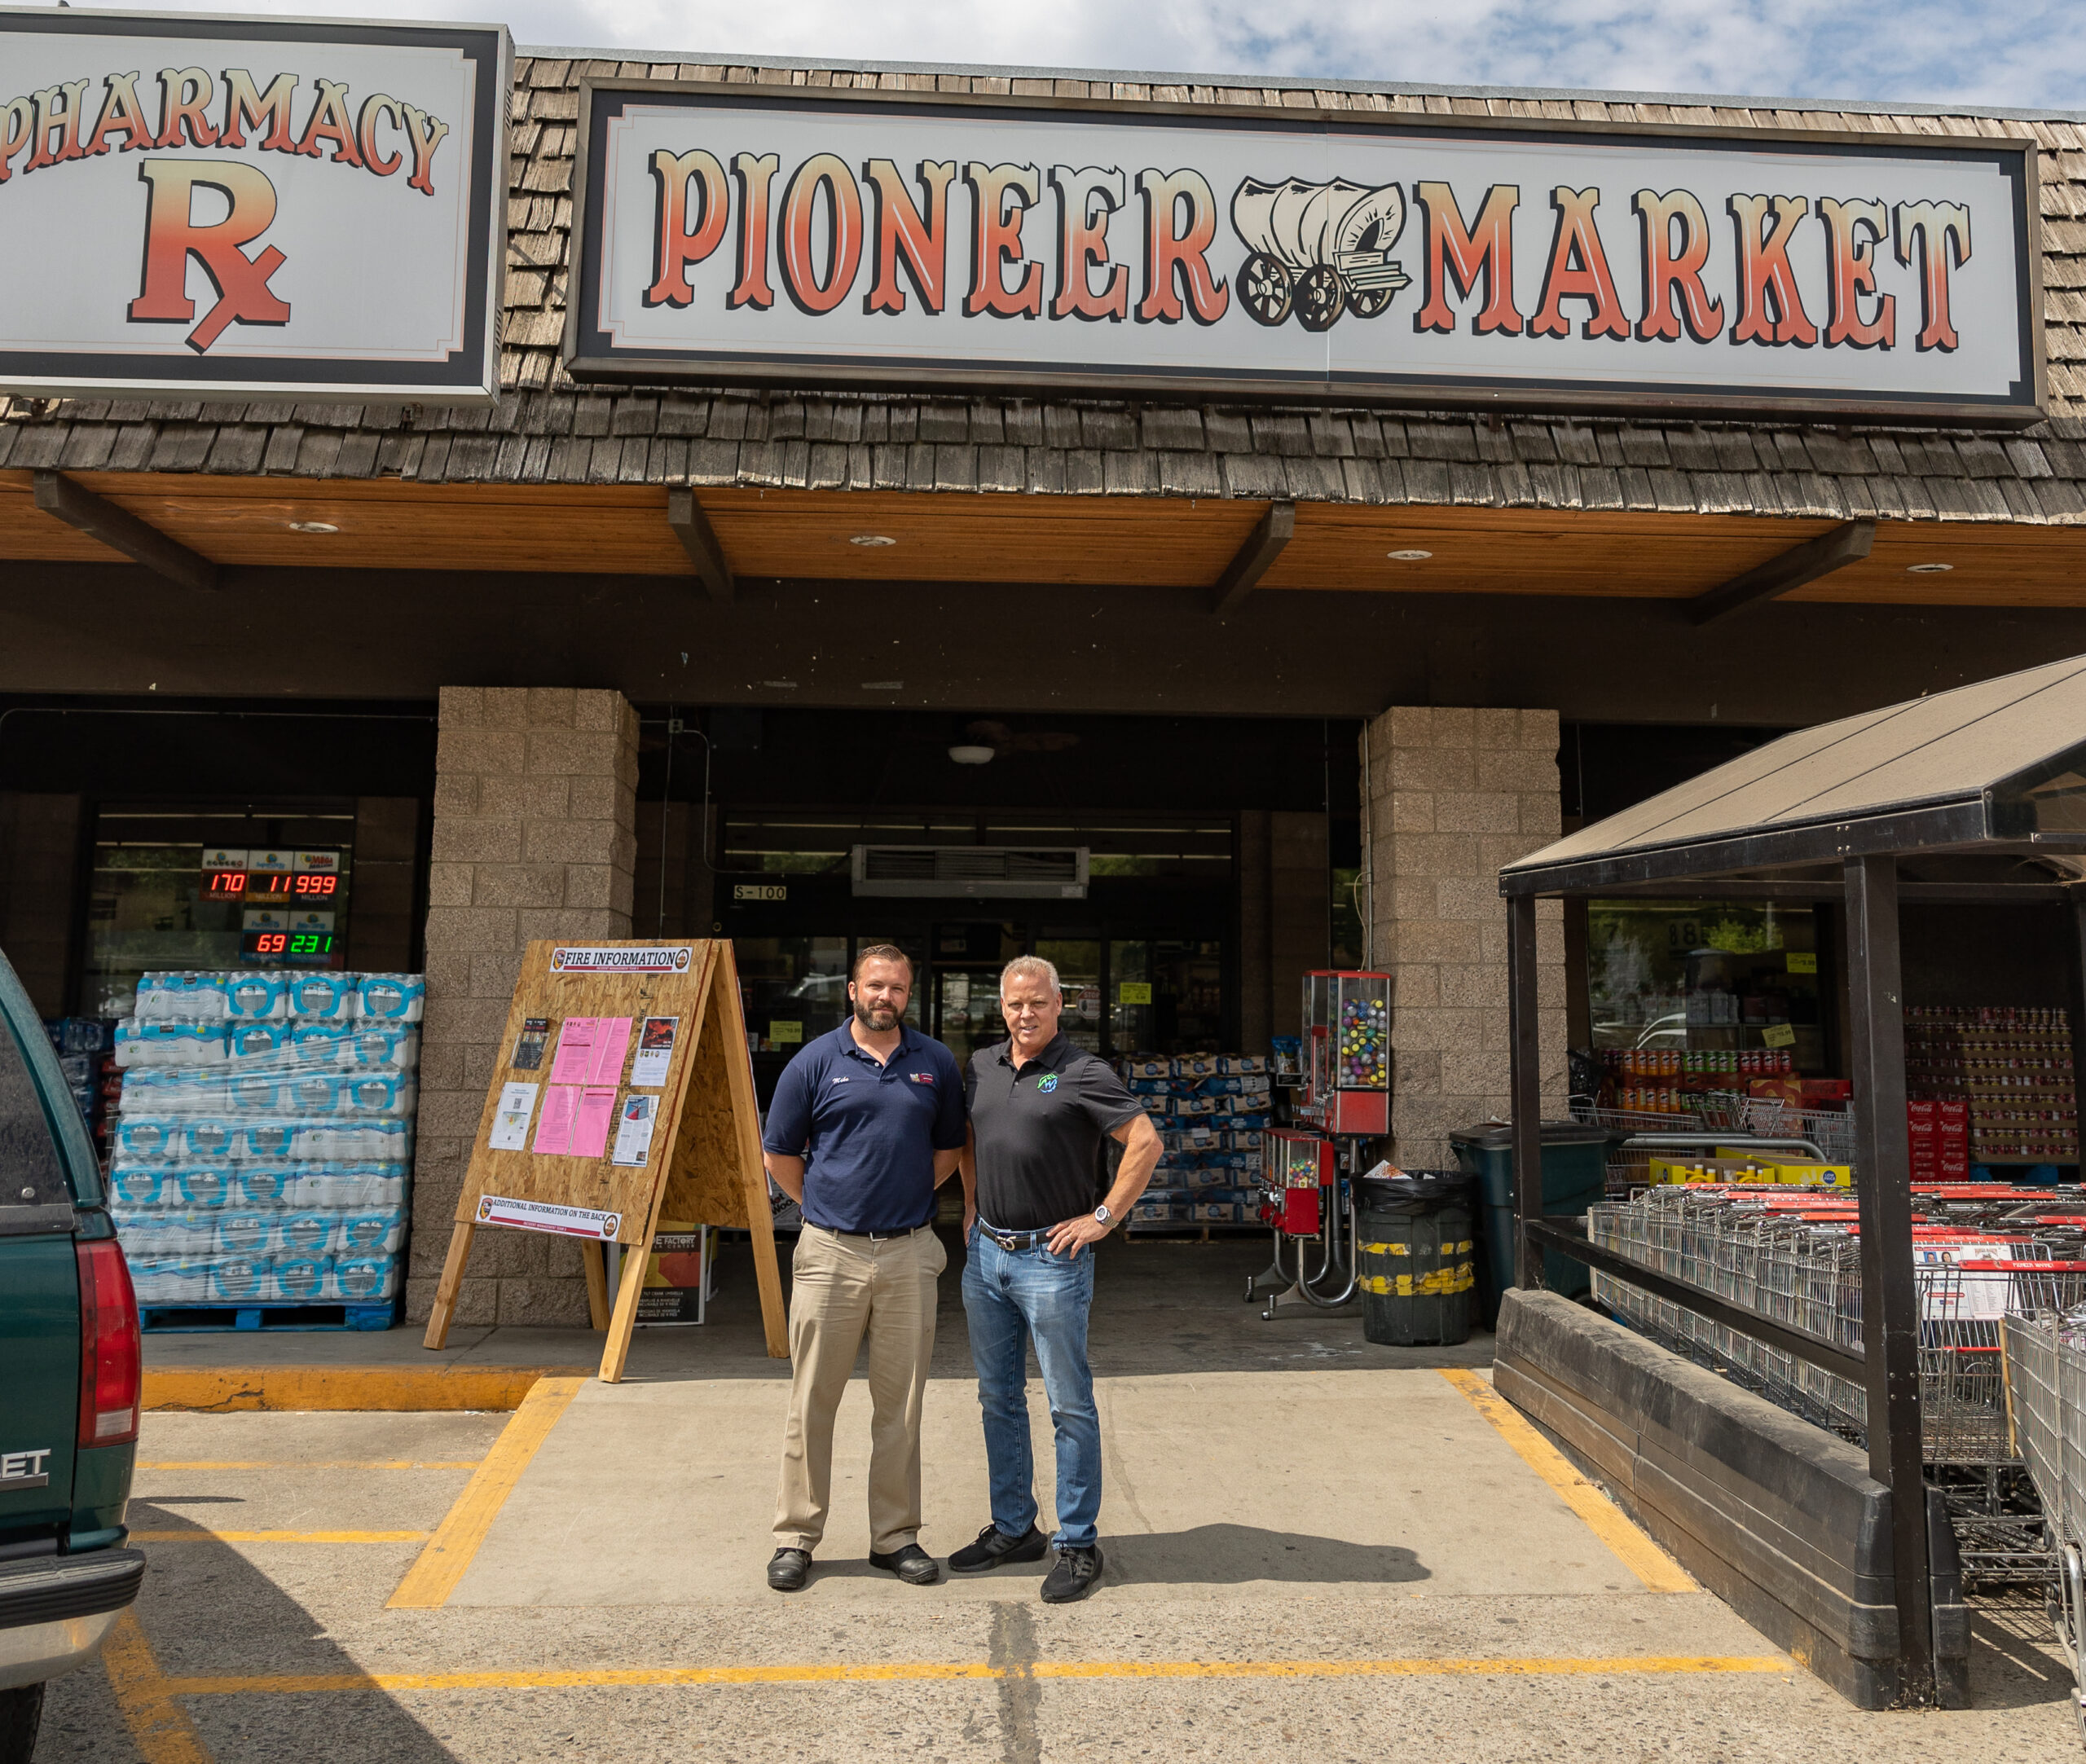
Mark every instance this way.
x=76 y=506
x=1846 y=544
x=692 y=527
x=1252 y=562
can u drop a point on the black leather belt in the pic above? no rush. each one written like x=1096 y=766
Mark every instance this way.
x=875 y=1237
x=1016 y=1240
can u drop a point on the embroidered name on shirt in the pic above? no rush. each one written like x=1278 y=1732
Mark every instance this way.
x=843 y=1078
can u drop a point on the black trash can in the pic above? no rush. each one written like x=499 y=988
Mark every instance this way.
x=1413 y=1258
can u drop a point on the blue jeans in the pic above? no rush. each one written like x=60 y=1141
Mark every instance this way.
x=1010 y=1297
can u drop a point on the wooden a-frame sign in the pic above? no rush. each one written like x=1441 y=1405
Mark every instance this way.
x=703 y=1161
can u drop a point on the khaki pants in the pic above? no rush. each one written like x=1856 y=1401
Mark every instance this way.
x=842 y=1288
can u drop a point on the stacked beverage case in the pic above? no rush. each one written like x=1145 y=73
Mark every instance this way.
x=261 y=1155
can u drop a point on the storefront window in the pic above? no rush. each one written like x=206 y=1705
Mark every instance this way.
x=793 y=989
x=1705 y=976
x=1078 y=962
x=1349 y=942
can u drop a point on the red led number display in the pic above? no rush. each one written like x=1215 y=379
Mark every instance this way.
x=317 y=885
x=270 y=943
x=228 y=881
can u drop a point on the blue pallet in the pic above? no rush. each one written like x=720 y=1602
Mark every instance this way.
x=191 y=1319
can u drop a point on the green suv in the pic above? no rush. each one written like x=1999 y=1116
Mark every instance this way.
x=69 y=1376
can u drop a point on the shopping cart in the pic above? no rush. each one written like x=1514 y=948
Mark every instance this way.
x=2046 y=1382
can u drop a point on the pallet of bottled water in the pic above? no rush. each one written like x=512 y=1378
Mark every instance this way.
x=260 y=1163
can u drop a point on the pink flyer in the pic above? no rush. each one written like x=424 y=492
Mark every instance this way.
x=554 y=1129
x=590 y=1127
x=575 y=1050
x=611 y=1042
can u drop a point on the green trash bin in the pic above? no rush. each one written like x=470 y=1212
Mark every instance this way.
x=1413 y=1258
x=1574 y=1177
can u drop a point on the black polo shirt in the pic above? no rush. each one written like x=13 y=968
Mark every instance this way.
x=1041 y=1159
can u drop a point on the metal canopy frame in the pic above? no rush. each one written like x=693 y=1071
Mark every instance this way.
x=1853 y=859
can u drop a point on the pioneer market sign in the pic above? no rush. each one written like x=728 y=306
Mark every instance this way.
x=821 y=238
x=197 y=207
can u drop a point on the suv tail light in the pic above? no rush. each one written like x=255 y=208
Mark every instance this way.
x=110 y=1352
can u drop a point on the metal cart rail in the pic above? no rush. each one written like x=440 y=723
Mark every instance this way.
x=2046 y=1380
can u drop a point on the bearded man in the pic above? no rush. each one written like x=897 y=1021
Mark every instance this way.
x=866 y=1123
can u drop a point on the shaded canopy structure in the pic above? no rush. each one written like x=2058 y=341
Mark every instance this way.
x=1974 y=795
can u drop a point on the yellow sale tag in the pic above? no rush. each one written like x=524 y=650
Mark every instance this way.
x=782 y=1033
x=1803 y=962
x=1133 y=992
x=1778 y=1035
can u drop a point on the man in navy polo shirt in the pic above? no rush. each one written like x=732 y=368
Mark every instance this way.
x=866 y=1123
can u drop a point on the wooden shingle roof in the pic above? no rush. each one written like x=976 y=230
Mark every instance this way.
x=547 y=430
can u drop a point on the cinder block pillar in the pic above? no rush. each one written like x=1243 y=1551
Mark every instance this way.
x=1452 y=795
x=535 y=836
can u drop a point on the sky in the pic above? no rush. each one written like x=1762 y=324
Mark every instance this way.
x=1976 y=53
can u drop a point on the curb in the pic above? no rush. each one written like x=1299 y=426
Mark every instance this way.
x=225 y=1390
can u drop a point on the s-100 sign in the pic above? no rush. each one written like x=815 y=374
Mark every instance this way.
x=823 y=238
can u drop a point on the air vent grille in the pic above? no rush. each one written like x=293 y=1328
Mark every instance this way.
x=1056 y=873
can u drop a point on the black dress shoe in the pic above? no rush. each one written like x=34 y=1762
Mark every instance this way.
x=994 y=1546
x=910 y=1563
x=1077 y=1573
x=788 y=1569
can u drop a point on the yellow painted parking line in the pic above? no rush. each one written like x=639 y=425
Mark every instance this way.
x=1644 y=1559
x=159 y=1725
x=430 y=1581
x=1624 y=1666
x=297 y=1463
x=399 y=1389
x=200 y=1536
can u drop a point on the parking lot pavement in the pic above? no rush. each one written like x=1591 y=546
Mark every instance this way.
x=1270 y=1596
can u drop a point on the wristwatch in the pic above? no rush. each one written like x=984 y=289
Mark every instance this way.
x=1102 y=1215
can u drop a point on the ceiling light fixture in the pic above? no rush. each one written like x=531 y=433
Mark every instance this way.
x=1409 y=556
x=780 y=686
x=883 y=685
x=313 y=526
x=1928 y=569
x=872 y=539
x=969 y=755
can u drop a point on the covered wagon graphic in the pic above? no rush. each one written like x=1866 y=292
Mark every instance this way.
x=1317 y=250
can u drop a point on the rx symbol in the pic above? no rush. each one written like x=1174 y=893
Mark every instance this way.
x=173 y=235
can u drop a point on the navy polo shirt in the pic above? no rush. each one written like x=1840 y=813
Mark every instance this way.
x=869 y=1133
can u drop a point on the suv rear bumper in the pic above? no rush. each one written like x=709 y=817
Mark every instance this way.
x=55 y=1611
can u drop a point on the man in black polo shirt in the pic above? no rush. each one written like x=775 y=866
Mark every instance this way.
x=866 y=1123
x=1035 y=1196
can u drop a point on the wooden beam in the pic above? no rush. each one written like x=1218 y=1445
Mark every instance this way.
x=692 y=527
x=1263 y=545
x=122 y=531
x=1846 y=544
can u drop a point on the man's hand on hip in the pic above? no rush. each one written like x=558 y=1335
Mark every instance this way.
x=1071 y=1235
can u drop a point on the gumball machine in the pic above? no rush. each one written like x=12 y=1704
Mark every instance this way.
x=1309 y=1175
x=1294 y=1168
x=1347 y=1065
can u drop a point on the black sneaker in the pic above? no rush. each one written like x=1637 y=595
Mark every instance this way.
x=910 y=1563
x=788 y=1569
x=994 y=1546
x=1077 y=1573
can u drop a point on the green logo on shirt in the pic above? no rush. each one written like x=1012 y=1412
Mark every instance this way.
x=1047 y=1084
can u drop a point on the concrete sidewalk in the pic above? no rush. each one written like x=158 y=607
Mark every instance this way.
x=1159 y=1306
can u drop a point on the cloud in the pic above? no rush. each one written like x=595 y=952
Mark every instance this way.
x=2026 y=53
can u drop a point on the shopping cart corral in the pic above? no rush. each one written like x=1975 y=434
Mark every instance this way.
x=2046 y=1384
x=1793 y=1259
